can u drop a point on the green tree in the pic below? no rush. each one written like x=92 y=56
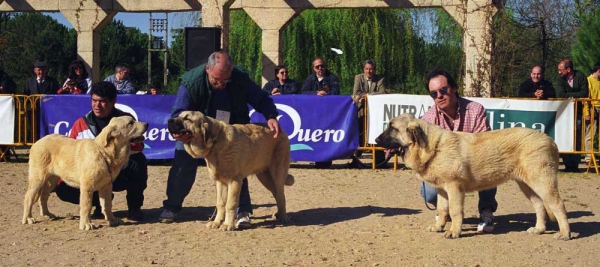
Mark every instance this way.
x=31 y=37
x=587 y=51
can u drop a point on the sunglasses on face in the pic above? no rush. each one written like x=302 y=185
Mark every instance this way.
x=443 y=91
x=320 y=66
x=283 y=72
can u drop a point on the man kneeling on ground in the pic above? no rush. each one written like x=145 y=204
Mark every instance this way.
x=134 y=175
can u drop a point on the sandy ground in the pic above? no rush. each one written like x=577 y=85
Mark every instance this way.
x=341 y=217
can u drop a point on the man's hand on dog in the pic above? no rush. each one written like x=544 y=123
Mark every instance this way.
x=274 y=126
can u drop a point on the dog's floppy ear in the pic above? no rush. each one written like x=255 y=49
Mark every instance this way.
x=416 y=133
x=108 y=137
x=206 y=132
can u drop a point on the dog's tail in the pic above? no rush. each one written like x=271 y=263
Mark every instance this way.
x=550 y=214
x=289 y=180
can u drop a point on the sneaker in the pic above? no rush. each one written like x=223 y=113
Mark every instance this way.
x=167 y=216
x=486 y=222
x=243 y=221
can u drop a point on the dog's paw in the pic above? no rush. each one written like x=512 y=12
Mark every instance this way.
x=561 y=236
x=49 y=216
x=115 y=222
x=435 y=228
x=535 y=230
x=226 y=227
x=29 y=220
x=86 y=226
x=451 y=235
x=282 y=218
x=213 y=225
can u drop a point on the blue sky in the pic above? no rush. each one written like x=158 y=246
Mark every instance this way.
x=140 y=20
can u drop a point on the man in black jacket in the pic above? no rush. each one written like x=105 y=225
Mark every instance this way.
x=537 y=86
x=41 y=83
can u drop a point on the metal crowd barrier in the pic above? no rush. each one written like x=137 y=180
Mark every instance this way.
x=26 y=124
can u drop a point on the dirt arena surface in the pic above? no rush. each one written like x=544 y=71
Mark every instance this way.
x=341 y=217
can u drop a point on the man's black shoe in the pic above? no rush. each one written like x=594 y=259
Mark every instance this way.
x=135 y=215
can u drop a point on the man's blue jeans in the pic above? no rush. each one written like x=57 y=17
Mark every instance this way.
x=181 y=179
x=487 y=198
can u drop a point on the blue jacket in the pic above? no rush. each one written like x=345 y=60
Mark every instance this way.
x=312 y=85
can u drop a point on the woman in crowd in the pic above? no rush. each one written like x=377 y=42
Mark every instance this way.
x=79 y=75
x=282 y=84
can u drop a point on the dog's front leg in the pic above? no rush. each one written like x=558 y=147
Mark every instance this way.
x=105 y=194
x=233 y=199
x=456 y=199
x=85 y=207
x=220 y=206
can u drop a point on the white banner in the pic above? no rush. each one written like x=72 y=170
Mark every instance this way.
x=7 y=120
x=553 y=117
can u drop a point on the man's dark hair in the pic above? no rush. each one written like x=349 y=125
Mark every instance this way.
x=104 y=89
x=278 y=68
x=596 y=67
x=567 y=64
x=441 y=72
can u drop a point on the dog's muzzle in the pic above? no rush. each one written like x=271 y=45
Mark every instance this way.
x=175 y=126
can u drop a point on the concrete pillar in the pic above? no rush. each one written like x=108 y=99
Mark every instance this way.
x=272 y=24
x=475 y=17
x=215 y=13
x=88 y=18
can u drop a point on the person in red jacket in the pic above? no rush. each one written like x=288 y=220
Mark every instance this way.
x=133 y=177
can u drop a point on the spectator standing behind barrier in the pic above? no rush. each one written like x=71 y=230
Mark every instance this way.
x=41 y=83
x=457 y=114
x=537 y=86
x=79 y=75
x=572 y=84
x=222 y=91
x=121 y=79
x=154 y=89
x=281 y=85
x=321 y=82
x=133 y=177
x=594 y=93
x=366 y=83
x=7 y=85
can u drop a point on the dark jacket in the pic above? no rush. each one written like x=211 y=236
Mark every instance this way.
x=50 y=86
x=290 y=87
x=312 y=85
x=528 y=88
x=195 y=94
x=8 y=85
x=578 y=90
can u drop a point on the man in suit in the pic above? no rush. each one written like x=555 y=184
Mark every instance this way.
x=41 y=83
x=572 y=84
x=366 y=83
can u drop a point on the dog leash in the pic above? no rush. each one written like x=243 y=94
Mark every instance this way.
x=424 y=199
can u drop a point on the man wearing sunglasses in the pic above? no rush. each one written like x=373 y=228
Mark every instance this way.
x=457 y=114
x=222 y=91
x=321 y=82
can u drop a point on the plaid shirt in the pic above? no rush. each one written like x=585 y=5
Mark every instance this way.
x=471 y=117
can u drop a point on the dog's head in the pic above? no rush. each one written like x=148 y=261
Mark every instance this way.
x=121 y=132
x=402 y=133
x=202 y=129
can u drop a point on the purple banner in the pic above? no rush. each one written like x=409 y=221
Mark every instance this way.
x=320 y=128
x=59 y=112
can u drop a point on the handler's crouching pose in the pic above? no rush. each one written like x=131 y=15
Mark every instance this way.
x=134 y=175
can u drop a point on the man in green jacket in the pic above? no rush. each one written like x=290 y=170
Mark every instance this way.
x=572 y=84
